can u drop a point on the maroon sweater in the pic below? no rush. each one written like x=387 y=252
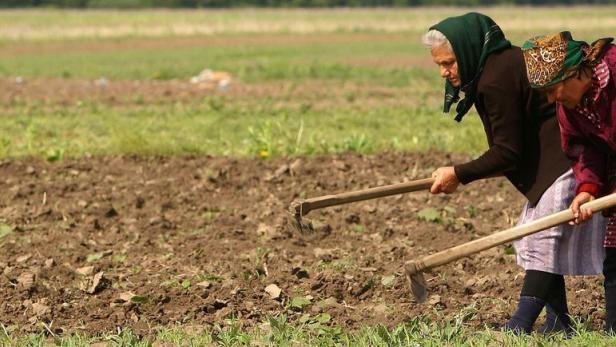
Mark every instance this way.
x=588 y=141
x=520 y=126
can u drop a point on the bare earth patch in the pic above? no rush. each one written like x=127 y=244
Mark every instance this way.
x=319 y=94
x=140 y=242
x=262 y=39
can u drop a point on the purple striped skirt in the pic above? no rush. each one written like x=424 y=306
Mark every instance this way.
x=564 y=249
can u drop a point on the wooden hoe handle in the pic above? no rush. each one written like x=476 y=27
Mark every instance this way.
x=305 y=206
x=499 y=238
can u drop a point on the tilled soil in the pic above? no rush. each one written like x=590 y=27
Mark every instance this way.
x=143 y=242
x=53 y=92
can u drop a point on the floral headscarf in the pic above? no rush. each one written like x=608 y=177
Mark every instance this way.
x=551 y=59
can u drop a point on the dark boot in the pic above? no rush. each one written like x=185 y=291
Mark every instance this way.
x=609 y=284
x=556 y=321
x=610 y=309
x=557 y=318
x=523 y=319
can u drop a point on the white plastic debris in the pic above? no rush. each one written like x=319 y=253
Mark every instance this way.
x=101 y=82
x=219 y=79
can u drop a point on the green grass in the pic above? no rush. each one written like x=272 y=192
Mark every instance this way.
x=317 y=330
x=249 y=63
x=229 y=130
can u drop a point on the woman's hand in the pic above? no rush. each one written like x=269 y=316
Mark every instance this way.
x=581 y=214
x=445 y=180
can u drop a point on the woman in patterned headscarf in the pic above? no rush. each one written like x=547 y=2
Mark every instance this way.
x=581 y=78
x=524 y=145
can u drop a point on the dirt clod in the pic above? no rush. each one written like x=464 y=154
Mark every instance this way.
x=273 y=290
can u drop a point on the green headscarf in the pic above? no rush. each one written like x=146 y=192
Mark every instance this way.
x=554 y=58
x=474 y=37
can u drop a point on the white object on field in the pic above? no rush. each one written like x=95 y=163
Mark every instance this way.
x=101 y=82
x=221 y=79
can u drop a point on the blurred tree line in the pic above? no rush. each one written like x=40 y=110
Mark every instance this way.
x=278 y=3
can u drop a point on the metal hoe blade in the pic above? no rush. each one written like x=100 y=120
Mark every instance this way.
x=297 y=223
x=417 y=282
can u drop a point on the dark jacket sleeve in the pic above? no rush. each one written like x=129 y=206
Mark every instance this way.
x=499 y=98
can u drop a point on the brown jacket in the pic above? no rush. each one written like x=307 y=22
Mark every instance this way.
x=521 y=128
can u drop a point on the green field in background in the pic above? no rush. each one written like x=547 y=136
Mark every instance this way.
x=364 y=47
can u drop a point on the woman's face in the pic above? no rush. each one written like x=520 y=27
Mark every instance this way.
x=568 y=92
x=444 y=57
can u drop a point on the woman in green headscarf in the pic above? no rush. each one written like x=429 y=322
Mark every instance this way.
x=476 y=59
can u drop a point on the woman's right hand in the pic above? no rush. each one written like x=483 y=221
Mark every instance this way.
x=445 y=180
x=581 y=214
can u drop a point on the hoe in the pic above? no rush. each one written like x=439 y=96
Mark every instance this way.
x=414 y=269
x=300 y=208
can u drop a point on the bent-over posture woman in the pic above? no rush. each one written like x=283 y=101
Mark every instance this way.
x=581 y=79
x=524 y=145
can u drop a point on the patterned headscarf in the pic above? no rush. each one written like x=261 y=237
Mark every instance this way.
x=551 y=59
x=473 y=37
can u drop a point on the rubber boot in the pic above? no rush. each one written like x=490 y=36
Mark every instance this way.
x=556 y=321
x=610 y=309
x=609 y=284
x=523 y=319
x=557 y=318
